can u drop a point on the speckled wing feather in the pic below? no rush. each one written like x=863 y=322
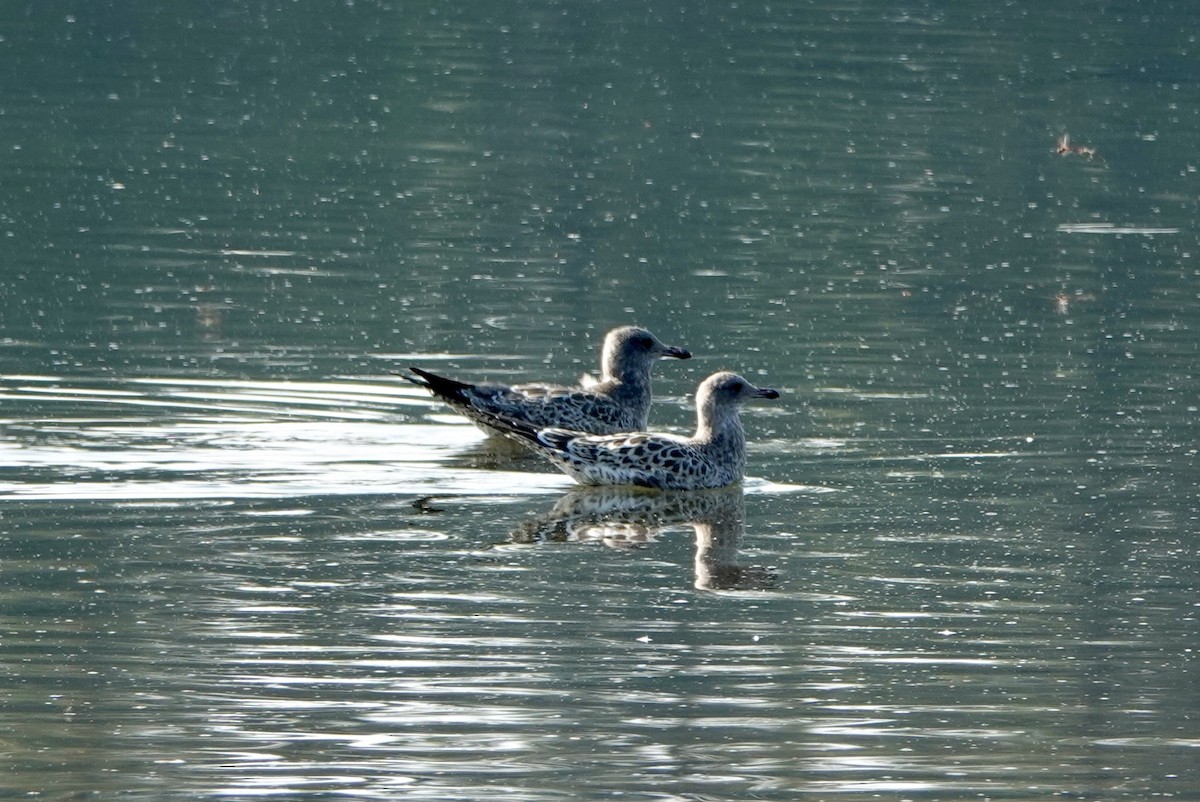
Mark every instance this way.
x=563 y=407
x=643 y=459
x=540 y=405
x=715 y=456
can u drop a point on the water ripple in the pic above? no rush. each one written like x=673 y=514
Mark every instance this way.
x=235 y=439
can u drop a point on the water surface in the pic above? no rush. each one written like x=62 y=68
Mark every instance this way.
x=239 y=559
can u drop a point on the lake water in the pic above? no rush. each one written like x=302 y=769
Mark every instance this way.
x=239 y=559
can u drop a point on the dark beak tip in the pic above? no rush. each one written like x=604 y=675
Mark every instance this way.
x=680 y=353
x=769 y=393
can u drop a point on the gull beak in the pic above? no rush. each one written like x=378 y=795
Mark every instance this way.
x=676 y=352
x=766 y=392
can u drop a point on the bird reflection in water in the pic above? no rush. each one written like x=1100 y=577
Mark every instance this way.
x=630 y=517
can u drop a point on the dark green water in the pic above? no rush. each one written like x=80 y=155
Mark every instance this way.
x=238 y=559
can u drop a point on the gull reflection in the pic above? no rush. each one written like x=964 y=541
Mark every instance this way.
x=628 y=517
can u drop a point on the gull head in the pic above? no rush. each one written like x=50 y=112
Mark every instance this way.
x=633 y=347
x=729 y=388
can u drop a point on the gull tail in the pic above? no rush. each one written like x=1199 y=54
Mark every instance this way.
x=449 y=389
x=519 y=430
x=546 y=441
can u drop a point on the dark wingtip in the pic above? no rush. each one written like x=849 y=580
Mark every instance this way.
x=517 y=429
x=418 y=379
x=448 y=389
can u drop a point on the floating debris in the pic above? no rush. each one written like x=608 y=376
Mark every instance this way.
x=1065 y=148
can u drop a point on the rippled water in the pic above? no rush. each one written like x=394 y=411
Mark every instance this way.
x=239 y=559
x=249 y=588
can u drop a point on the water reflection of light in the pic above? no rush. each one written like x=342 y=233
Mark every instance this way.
x=172 y=439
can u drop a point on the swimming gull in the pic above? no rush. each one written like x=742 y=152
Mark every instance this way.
x=715 y=456
x=619 y=401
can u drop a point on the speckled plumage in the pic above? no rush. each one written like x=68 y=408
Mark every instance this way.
x=715 y=456
x=619 y=401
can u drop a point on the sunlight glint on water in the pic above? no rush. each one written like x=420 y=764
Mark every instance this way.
x=239 y=559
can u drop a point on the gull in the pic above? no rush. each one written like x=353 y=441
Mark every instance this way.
x=715 y=456
x=619 y=401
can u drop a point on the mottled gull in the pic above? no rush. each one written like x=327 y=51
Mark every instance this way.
x=618 y=402
x=715 y=456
